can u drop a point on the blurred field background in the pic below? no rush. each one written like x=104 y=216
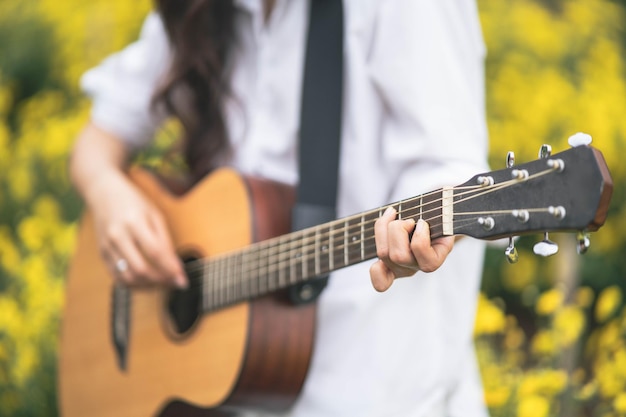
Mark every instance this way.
x=549 y=332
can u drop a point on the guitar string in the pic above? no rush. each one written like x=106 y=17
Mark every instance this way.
x=307 y=236
x=310 y=235
x=341 y=230
x=284 y=259
x=223 y=285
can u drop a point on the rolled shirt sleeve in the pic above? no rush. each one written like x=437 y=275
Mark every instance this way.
x=122 y=86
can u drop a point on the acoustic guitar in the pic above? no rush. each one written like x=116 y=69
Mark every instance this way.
x=233 y=339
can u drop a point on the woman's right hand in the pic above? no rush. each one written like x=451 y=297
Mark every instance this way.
x=132 y=234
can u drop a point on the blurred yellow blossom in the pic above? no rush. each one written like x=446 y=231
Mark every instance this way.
x=549 y=301
x=533 y=406
x=619 y=404
x=9 y=255
x=20 y=181
x=496 y=397
x=543 y=343
x=609 y=300
x=546 y=382
x=569 y=323
x=489 y=318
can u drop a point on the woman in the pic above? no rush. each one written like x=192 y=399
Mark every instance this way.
x=413 y=121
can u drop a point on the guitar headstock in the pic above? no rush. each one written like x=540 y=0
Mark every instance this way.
x=568 y=191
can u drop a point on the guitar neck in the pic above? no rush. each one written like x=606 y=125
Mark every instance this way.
x=569 y=191
x=271 y=265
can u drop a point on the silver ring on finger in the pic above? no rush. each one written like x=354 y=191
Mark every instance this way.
x=121 y=265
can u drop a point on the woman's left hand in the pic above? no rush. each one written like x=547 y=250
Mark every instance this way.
x=402 y=255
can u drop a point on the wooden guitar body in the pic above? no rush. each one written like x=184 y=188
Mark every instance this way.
x=233 y=357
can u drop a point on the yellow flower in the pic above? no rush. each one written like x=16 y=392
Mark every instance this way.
x=549 y=301
x=496 y=397
x=20 y=182
x=543 y=343
x=31 y=233
x=10 y=258
x=489 y=318
x=619 y=403
x=609 y=300
x=569 y=323
x=547 y=382
x=533 y=406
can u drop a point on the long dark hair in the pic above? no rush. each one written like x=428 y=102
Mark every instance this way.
x=201 y=33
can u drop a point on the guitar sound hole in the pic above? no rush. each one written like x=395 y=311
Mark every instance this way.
x=184 y=306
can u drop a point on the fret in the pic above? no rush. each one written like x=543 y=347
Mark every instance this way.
x=224 y=281
x=252 y=272
x=295 y=259
x=210 y=267
x=304 y=256
x=243 y=277
x=323 y=244
x=346 y=246
x=205 y=287
x=362 y=241
x=432 y=212
x=272 y=271
x=447 y=211
x=219 y=276
x=279 y=261
x=236 y=278
x=331 y=247
x=318 y=266
x=263 y=281
x=337 y=243
x=369 y=243
x=421 y=207
x=310 y=252
x=227 y=279
x=353 y=240
x=214 y=276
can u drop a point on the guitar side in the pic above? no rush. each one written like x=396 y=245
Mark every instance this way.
x=249 y=354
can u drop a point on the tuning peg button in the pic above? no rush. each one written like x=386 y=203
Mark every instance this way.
x=583 y=242
x=579 y=139
x=546 y=247
x=511 y=252
x=510 y=159
x=545 y=151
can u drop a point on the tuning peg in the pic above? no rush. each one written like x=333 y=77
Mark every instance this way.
x=579 y=139
x=546 y=247
x=511 y=252
x=583 y=242
x=510 y=159
x=545 y=151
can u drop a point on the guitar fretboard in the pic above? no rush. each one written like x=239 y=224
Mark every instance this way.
x=301 y=256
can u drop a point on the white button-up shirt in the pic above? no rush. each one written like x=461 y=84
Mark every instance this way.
x=413 y=121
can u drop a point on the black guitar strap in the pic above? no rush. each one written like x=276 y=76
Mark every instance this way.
x=320 y=128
